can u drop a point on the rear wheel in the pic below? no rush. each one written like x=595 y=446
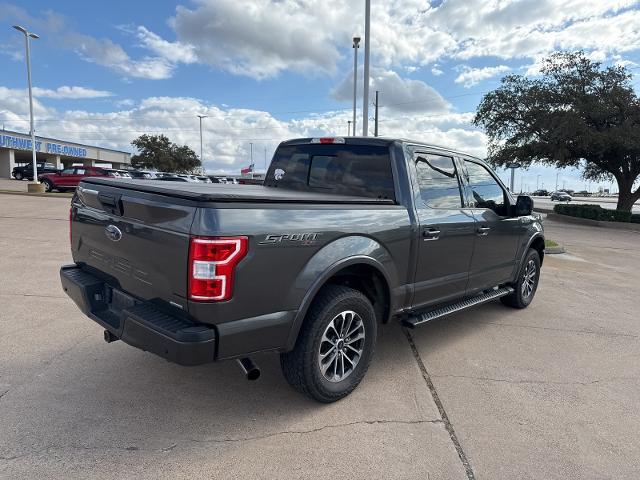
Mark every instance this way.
x=18 y=176
x=527 y=283
x=48 y=185
x=334 y=347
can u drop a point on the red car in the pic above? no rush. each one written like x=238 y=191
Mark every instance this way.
x=69 y=178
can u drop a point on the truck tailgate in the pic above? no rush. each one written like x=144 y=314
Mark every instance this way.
x=133 y=240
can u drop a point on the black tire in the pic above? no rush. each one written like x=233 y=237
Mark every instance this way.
x=18 y=176
x=301 y=366
x=48 y=185
x=520 y=298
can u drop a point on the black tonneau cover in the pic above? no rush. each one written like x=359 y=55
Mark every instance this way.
x=214 y=192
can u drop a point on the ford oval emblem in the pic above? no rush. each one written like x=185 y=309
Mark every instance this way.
x=113 y=233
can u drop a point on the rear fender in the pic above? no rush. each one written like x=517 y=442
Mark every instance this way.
x=328 y=261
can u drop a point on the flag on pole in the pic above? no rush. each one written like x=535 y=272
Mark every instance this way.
x=249 y=169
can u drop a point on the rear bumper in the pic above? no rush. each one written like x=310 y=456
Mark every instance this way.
x=141 y=324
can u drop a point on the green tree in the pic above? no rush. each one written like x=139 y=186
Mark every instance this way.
x=576 y=114
x=159 y=153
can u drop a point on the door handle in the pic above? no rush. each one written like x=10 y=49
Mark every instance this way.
x=483 y=231
x=430 y=234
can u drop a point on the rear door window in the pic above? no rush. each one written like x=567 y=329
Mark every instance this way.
x=358 y=170
x=438 y=181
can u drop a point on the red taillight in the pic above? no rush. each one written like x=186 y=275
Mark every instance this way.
x=212 y=262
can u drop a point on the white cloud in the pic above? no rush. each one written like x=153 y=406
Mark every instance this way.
x=109 y=54
x=14 y=106
x=472 y=76
x=436 y=71
x=261 y=39
x=125 y=103
x=66 y=92
x=396 y=93
x=175 y=52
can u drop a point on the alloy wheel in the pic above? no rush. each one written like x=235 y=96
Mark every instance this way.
x=341 y=346
x=529 y=279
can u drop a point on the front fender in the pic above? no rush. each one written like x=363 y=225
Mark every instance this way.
x=329 y=260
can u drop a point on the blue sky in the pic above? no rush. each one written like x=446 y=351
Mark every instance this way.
x=264 y=71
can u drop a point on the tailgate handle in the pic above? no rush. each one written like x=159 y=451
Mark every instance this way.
x=114 y=203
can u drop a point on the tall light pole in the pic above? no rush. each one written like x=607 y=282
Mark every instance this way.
x=348 y=128
x=537 y=181
x=375 y=129
x=356 y=44
x=201 y=154
x=251 y=154
x=27 y=36
x=367 y=51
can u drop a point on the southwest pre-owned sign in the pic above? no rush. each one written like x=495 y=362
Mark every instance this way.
x=19 y=143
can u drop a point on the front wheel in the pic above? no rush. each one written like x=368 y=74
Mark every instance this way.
x=18 y=176
x=527 y=282
x=334 y=347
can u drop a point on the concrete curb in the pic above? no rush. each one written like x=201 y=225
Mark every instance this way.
x=554 y=250
x=27 y=194
x=542 y=210
x=634 y=227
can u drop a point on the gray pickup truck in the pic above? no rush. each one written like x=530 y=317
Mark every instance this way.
x=344 y=235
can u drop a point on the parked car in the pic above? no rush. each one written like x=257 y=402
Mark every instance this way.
x=142 y=174
x=26 y=171
x=69 y=178
x=561 y=197
x=204 y=179
x=344 y=235
x=541 y=193
x=174 y=178
x=115 y=173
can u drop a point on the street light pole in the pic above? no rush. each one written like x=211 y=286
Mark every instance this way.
x=513 y=178
x=348 y=128
x=356 y=43
x=201 y=154
x=251 y=154
x=28 y=35
x=367 y=51
x=375 y=130
x=537 y=182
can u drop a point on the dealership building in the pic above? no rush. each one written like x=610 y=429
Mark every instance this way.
x=15 y=149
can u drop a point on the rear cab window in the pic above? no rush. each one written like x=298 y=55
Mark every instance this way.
x=355 y=170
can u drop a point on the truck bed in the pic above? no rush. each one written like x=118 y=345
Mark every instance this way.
x=206 y=192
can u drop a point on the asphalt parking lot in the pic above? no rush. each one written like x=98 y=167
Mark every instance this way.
x=547 y=392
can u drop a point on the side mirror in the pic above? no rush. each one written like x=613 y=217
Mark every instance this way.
x=524 y=206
